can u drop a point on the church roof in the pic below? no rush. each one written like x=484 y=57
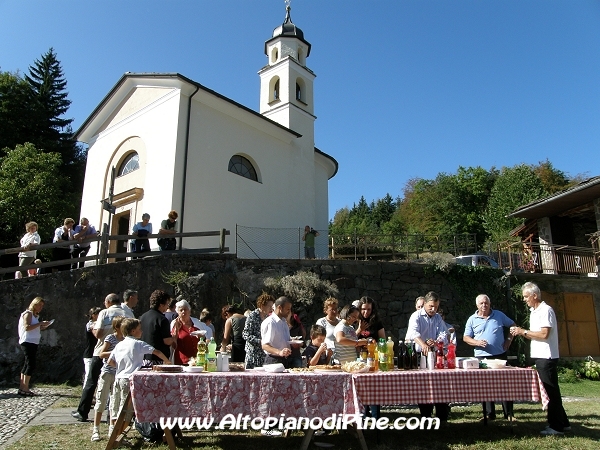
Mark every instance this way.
x=157 y=76
x=288 y=29
x=84 y=133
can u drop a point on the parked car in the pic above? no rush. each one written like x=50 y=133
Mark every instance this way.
x=476 y=260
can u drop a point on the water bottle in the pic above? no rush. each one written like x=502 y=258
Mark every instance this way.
x=211 y=358
x=201 y=355
x=390 y=353
x=382 y=351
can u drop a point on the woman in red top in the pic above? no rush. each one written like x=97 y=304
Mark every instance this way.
x=181 y=329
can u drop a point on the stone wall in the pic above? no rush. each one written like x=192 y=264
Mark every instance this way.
x=215 y=281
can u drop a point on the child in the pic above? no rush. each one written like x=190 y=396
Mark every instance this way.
x=107 y=379
x=207 y=319
x=127 y=357
x=317 y=352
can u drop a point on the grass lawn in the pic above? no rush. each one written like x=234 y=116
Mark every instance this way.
x=463 y=432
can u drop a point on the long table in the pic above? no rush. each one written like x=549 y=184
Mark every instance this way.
x=306 y=394
x=400 y=387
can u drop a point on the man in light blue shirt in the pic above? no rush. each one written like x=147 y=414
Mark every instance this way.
x=485 y=331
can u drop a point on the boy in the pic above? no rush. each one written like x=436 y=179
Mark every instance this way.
x=127 y=357
x=107 y=379
x=317 y=352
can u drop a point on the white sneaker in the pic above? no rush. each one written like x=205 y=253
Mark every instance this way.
x=95 y=436
x=551 y=432
x=271 y=433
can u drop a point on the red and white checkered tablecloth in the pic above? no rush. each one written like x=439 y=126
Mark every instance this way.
x=401 y=387
x=257 y=394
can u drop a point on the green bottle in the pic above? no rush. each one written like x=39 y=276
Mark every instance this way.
x=211 y=358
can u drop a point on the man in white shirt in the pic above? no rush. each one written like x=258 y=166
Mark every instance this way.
x=275 y=334
x=543 y=334
x=130 y=300
x=424 y=326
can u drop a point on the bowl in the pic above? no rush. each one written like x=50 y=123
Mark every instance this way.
x=193 y=369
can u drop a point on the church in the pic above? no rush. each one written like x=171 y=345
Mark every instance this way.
x=177 y=145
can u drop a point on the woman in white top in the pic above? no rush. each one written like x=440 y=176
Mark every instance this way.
x=329 y=322
x=28 y=242
x=345 y=335
x=29 y=338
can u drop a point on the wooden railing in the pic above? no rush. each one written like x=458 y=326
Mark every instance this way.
x=103 y=254
x=547 y=258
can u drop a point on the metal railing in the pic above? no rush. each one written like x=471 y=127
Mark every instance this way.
x=263 y=243
x=104 y=255
x=391 y=246
x=275 y=243
x=547 y=258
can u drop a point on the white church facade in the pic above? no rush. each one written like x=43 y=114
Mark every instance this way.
x=177 y=145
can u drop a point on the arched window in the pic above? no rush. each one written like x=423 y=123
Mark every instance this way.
x=274 y=55
x=129 y=164
x=242 y=166
x=298 y=92
x=276 y=91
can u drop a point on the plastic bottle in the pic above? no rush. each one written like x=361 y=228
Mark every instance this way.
x=211 y=357
x=451 y=356
x=201 y=355
x=371 y=354
x=439 y=355
x=383 y=360
x=390 y=353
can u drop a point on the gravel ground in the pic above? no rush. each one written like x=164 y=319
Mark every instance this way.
x=16 y=410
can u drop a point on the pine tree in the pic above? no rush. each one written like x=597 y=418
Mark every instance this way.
x=53 y=131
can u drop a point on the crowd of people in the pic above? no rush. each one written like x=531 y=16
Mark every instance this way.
x=80 y=237
x=117 y=343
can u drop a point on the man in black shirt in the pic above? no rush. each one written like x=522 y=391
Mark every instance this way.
x=155 y=326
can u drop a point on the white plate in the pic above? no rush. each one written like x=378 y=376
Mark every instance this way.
x=51 y=322
x=295 y=341
x=193 y=369
x=257 y=369
x=327 y=370
x=198 y=333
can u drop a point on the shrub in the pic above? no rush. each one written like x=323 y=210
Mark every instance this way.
x=302 y=287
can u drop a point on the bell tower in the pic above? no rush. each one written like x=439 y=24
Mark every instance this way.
x=286 y=84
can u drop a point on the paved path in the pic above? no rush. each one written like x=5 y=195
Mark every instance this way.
x=20 y=412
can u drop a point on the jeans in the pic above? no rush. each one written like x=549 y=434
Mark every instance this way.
x=87 y=395
x=548 y=372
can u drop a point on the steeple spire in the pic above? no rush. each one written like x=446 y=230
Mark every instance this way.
x=288 y=8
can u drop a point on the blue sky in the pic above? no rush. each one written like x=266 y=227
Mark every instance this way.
x=404 y=88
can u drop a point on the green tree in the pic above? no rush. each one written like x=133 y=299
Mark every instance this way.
x=515 y=186
x=31 y=188
x=17 y=112
x=417 y=208
x=552 y=179
x=382 y=211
